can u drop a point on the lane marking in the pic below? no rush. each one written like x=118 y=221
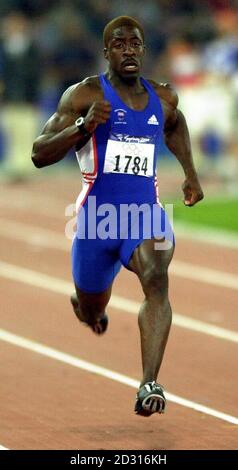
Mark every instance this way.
x=50 y=239
x=3 y=448
x=33 y=202
x=60 y=286
x=74 y=361
x=34 y=235
x=203 y=234
x=209 y=276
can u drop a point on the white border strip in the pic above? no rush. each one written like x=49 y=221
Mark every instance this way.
x=59 y=286
x=103 y=372
x=3 y=448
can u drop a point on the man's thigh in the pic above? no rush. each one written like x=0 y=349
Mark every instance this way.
x=151 y=255
x=94 y=266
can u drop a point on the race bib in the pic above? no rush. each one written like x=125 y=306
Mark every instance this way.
x=129 y=155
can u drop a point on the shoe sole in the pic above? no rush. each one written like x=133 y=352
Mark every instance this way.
x=154 y=403
x=150 y=405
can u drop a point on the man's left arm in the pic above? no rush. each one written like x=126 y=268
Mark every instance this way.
x=178 y=141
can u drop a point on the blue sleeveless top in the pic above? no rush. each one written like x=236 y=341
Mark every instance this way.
x=118 y=164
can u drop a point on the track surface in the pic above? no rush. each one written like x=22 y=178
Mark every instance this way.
x=48 y=404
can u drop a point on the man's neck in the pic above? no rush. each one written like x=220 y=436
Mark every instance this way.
x=132 y=84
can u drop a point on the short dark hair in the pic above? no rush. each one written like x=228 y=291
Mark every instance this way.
x=117 y=23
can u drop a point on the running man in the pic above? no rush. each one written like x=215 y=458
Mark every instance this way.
x=115 y=122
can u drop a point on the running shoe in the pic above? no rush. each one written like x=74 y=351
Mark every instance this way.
x=150 y=399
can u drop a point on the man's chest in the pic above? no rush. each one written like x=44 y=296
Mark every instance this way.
x=136 y=102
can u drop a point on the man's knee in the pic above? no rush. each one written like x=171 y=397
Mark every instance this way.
x=92 y=305
x=155 y=281
x=93 y=300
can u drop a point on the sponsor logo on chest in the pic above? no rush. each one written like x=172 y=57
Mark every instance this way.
x=153 y=120
x=120 y=118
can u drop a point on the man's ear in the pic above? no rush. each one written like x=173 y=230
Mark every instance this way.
x=144 y=49
x=105 y=51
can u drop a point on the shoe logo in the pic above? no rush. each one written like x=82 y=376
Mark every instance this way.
x=153 y=120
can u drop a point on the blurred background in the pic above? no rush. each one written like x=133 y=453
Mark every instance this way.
x=47 y=45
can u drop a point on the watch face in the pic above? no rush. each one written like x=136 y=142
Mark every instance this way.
x=79 y=121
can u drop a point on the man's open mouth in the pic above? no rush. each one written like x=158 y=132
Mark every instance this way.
x=130 y=65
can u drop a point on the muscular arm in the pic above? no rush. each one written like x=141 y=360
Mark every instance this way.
x=178 y=141
x=59 y=133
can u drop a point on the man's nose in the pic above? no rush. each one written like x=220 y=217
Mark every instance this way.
x=129 y=49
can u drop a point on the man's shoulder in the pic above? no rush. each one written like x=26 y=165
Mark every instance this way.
x=165 y=92
x=82 y=94
x=92 y=82
x=89 y=84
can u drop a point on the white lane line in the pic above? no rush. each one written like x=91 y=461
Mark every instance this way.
x=59 y=286
x=182 y=321
x=203 y=234
x=3 y=448
x=32 y=203
x=34 y=235
x=195 y=272
x=53 y=240
x=74 y=361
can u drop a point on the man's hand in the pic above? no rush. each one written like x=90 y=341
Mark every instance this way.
x=97 y=114
x=192 y=191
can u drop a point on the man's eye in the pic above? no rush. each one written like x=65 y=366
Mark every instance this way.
x=118 y=45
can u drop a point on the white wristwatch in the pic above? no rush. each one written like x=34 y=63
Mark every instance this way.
x=79 y=123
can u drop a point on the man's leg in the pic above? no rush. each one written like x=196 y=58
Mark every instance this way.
x=94 y=267
x=151 y=267
x=90 y=308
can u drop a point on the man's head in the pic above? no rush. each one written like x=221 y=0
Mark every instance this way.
x=124 y=46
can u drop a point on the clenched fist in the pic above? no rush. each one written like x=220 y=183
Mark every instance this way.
x=97 y=114
x=192 y=190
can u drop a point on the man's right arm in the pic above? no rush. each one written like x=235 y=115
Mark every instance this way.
x=59 y=133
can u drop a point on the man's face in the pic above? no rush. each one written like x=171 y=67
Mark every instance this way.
x=125 y=51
